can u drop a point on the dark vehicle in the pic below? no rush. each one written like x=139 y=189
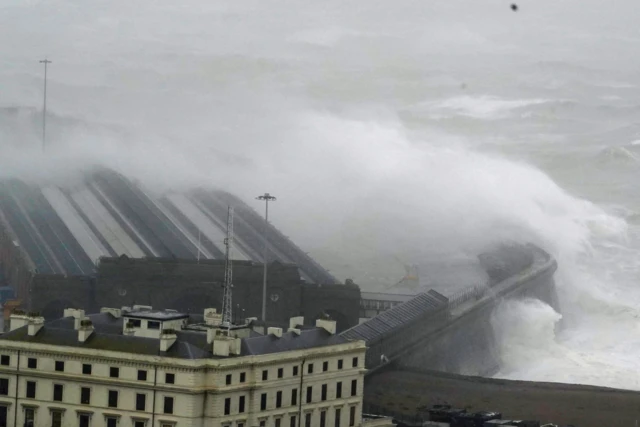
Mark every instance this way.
x=444 y=413
x=477 y=419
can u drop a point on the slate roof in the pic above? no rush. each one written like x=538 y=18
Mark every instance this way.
x=190 y=344
x=389 y=321
x=66 y=229
x=310 y=338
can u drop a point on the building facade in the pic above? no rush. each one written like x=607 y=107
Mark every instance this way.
x=144 y=368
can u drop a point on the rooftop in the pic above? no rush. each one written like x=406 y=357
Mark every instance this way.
x=156 y=314
x=194 y=341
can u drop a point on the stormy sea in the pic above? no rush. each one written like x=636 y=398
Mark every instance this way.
x=392 y=133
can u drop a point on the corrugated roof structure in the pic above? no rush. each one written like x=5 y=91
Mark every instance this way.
x=397 y=318
x=65 y=230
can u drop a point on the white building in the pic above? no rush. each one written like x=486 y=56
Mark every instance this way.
x=148 y=368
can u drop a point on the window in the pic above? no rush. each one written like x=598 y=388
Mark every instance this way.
x=141 y=401
x=354 y=387
x=263 y=423
x=243 y=377
x=354 y=362
x=240 y=425
x=59 y=365
x=340 y=364
x=114 y=372
x=307 y=419
x=265 y=375
x=56 y=419
x=324 y=392
x=85 y=395
x=241 y=400
x=352 y=416
x=31 y=389
x=278 y=421
x=135 y=323
x=309 y=393
x=263 y=401
x=5 y=360
x=292 y=421
x=170 y=378
x=168 y=405
x=139 y=424
x=57 y=392
x=227 y=406
x=337 y=419
x=295 y=371
x=4 y=386
x=323 y=418
x=142 y=375
x=325 y=366
x=112 y=422
x=228 y=380
x=29 y=416
x=113 y=399
x=86 y=369
x=310 y=368
x=32 y=363
x=84 y=420
x=280 y=372
x=151 y=324
x=294 y=397
x=339 y=390
x=279 y=399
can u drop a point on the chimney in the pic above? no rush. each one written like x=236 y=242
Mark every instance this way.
x=276 y=332
x=295 y=331
x=35 y=324
x=328 y=325
x=221 y=346
x=115 y=312
x=77 y=315
x=167 y=338
x=139 y=307
x=212 y=317
x=294 y=322
x=85 y=329
x=224 y=346
x=18 y=319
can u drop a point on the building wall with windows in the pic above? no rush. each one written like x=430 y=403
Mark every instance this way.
x=47 y=384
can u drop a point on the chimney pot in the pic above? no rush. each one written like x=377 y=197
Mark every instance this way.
x=294 y=322
x=276 y=332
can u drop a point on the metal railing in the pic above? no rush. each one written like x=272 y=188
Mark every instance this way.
x=472 y=293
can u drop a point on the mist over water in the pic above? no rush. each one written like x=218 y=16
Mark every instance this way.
x=411 y=131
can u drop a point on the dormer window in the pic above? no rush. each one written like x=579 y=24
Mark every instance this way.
x=133 y=323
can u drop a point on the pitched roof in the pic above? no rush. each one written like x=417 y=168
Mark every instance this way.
x=397 y=317
x=66 y=229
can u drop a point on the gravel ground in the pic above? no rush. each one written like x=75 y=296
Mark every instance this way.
x=581 y=406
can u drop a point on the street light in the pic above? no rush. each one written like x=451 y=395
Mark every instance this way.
x=44 y=108
x=267 y=198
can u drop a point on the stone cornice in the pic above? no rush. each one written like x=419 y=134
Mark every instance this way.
x=189 y=365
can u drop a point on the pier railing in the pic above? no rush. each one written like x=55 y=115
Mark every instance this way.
x=472 y=293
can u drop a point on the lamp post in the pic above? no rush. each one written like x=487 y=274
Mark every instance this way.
x=44 y=108
x=267 y=198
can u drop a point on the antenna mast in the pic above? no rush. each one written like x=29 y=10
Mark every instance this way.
x=228 y=273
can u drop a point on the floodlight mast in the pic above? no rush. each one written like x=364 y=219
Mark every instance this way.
x=227 y=303
x=267 y=198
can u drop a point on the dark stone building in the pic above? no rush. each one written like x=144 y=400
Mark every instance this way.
x=192 y=286
x=106 y=241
